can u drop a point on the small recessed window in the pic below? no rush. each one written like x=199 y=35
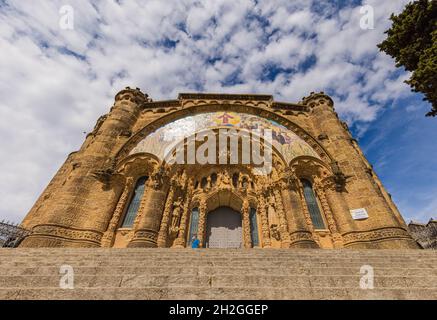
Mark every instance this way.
x=214 y=179
x=203 y=183
x=235 y=180
x=134 y=204
x=312 y=204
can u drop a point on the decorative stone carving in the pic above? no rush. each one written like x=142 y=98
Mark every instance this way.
x=322 y=136
x=158 y=178
x=283 y=227
x=224 y=180
x=176 y=217
x=301 y=236
x=266 y=243
x=180 y=240
x=274 y=232
x=246 y=224
x=339 y=177
x=375 y=235
x=202 y=221
x=289 y=179
x=126 y=133
x=162 y=235
x=271 y=209
x=104 y=176
x=56 y=231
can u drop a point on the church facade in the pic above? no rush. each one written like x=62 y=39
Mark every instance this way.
x=219 y=170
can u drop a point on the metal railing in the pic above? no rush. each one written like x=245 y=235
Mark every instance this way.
x=11 y=234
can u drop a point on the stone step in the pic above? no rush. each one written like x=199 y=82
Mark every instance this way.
x=219 y=293
x=217 y=258
x=188 y=264
x=98 y=252
x=213 y=252
x=220 y=257
x=217 y=274
x=240 y=281
x=213 y=270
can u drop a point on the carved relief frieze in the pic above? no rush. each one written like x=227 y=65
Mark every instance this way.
x=374 y=235
x=67 y=233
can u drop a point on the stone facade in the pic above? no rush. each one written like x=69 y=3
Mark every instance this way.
x=87 y=201
x=424 y=234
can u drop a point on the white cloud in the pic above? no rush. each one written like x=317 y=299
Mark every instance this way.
x=50 y=96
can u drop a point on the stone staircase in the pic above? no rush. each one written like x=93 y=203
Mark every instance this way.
x=217 y=274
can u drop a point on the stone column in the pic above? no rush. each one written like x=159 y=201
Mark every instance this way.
x=108 y=236
x=163 y=230
x=202 y=221
x=332 y=225
x=283 y=228
x=150 y=214
x=266 y=242
x=306 y=214
x=180 y=241
x=300 y=234
x=247 y=241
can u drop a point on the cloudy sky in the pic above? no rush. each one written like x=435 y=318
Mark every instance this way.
x=56 y=82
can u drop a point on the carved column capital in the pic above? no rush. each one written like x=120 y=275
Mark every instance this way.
x=338 y=178
x=289 y=179
x=159 y=178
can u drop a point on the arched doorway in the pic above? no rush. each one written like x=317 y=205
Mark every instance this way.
x=223 y=229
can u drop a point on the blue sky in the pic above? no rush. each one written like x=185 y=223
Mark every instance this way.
x=55 y=83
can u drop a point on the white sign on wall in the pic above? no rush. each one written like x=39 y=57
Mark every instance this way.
x=358 y=214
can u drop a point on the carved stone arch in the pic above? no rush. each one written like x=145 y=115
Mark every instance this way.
x=321 y=176
x=310 y=168
x=228 y=198
x=137 y=165
x=253 y=201
x=228 y=106
x=194 y=203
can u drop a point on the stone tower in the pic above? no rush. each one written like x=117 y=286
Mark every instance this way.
x=120 y=190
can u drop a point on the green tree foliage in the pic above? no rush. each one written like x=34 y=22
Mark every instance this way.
x=412 y=42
